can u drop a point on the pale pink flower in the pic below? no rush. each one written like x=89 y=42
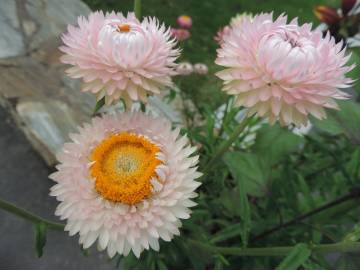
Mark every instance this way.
x=184 y=21
x=234 y=22
x=221 y=33
x=120 y=57
x=201 y=68
x=184 y=68
x=125 y=181
x=283 y=71
x=180 y=34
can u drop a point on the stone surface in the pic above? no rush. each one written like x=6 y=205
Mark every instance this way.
x=11 y=40
x=24 y=182
x=44 y=103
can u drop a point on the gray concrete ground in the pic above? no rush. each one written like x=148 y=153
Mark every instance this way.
x=24 y=182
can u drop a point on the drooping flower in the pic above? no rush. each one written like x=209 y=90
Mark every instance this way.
x=125 y=181
x=201 y=68
x=184 y=68
x=180 y=34
x=120 y=57
x=283 y=71
x=184 y=21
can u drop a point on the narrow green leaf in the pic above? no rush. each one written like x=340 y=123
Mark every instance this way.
x=311 y=265
x=244 y=206
x=99 y=105
x=346 y=120
x=218 y=265
x=347 y=262
x=40 y=238
x=227 y=233
x=161 y=265
x=296 y=258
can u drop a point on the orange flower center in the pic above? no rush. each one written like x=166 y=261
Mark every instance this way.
x=123 y=28
x=124 y=165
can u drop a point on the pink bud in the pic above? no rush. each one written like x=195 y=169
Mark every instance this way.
x=184 y=21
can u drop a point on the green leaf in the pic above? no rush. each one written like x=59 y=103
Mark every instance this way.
x=251 y=169
x=275 y=143
x=355 y=73
x=296 y=258
x=347 y=262
x=40 y=238
x=244 y=207
x=346 y=120
x=99 y=105
x=227 y=233
x=311 y=265
x=161 y=265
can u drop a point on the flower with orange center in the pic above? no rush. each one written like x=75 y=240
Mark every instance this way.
x=125 y=181
x=124 y=165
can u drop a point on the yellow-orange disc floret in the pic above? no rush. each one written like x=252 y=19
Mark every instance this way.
x=124 y=165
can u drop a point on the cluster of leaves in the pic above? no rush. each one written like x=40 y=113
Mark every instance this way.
x=253 y=192
x=268 y=193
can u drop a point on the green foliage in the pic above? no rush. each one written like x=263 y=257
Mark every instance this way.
x=40 y=238
x=256 y=187
x=296 y=258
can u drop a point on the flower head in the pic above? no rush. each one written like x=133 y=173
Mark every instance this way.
x=180 y=34
x=184 y=21
x=201 y=68
x=283 y=71
x=120 y=57
x=184 y=68
x=125 y=180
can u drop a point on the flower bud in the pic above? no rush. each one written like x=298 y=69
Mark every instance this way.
x=184 y=21
x=327 y=15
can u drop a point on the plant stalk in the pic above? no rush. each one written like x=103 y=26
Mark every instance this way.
x=20 y=212
x=355 y=193
x=278 y=251
x=137 y=9
x=226 y=145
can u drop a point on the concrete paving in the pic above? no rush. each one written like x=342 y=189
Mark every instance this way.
x=24 y=182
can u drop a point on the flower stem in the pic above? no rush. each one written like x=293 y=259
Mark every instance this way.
x=29 y=216
x=354 y=194
x=278 y=251
x=225 y=145
x=137 y=9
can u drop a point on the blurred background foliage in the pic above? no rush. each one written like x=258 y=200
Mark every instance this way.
x=271 y=191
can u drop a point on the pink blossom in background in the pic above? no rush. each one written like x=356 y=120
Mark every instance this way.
x=184 y=21
x=118 y=56
x=235 y=22
x=283 y=71
x=184 y=68
x=201 y=68
x=180 y=34
x=220 y=35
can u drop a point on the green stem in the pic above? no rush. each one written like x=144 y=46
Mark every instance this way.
x=226 y=145
x=278 y=251
x=29 y=216
x=137 y=9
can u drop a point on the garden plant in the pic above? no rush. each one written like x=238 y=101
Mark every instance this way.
x=262 y=171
